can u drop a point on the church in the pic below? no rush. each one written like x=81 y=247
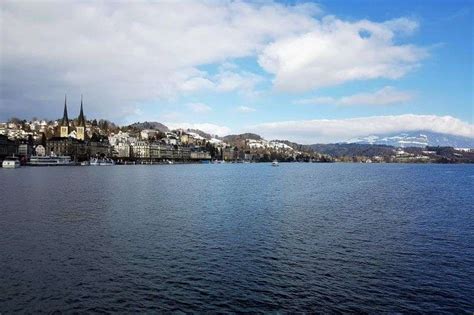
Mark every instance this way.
x=72 y=139
x=65 y=128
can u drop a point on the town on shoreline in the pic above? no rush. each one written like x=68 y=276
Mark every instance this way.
x=83 y=141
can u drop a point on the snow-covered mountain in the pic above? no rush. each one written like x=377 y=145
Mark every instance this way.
x=416 y=139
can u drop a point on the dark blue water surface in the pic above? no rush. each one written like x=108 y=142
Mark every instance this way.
x=238 y=238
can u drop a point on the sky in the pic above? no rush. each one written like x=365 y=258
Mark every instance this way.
x=308 y=72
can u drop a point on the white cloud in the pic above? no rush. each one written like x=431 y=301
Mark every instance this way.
x=385 y=96
x=245 y=109
x=335 y=52
x=122 y=54
x=195 y=84
x=119 y=54
x=199 y=107
x=231 y=81
x=209 y=128
x=226 y=80
x=326 y=130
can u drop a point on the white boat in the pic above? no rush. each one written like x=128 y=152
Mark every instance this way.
x=275 y=163
x=101 y=162
x=11 y=162
x=61 y=160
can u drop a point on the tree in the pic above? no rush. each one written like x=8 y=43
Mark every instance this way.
x=15 y=120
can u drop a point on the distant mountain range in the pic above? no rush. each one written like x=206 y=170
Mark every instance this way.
x=416 y=139
x=404 y=139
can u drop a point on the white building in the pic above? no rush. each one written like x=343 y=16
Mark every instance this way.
x=40 y=150
x=147 y=134
x=121 y=137
x=122 y=150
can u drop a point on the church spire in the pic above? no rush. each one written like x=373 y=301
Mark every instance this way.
x=65 y=120
x=81 y=121
x=64 y=130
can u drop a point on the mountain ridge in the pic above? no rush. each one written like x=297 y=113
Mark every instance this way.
x=419 y=138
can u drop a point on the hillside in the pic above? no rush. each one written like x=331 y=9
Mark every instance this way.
x=237 y=138
x=201 y=133
x=353 y=149
x=149 y=125
x=296 y=146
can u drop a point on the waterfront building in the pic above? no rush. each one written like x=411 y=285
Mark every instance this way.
x=141 y=150
x=122 y=150
x=66 y=146
x=25 y=149
x=158 y=151
x=200 y=155
x=229 y=154
x=167 y=152
x=7 y=147
x=151 y=150
x=121 y=144
x=98 y=148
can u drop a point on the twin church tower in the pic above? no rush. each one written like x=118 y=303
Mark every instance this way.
x=80 y=127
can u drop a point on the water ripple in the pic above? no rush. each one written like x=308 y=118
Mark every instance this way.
x=338 y=238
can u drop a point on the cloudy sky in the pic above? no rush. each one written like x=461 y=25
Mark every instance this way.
x=305 y=71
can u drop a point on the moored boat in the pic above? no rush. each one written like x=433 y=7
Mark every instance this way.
x=101 y=162
x=275 y=163
x=11 y=162
x=61 y=160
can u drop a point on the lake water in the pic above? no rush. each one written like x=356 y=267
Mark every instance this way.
x=238 y=238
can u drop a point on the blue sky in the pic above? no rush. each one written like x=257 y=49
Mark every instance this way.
x=306 y=71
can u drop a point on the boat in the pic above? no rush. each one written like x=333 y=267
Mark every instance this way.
x=61 y=160
x=11 y=162
x=275 y=163
x=85 y=163
x=101 y=162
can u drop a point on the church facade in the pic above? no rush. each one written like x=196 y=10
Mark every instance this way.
x=72 y=139
x=80 y=129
